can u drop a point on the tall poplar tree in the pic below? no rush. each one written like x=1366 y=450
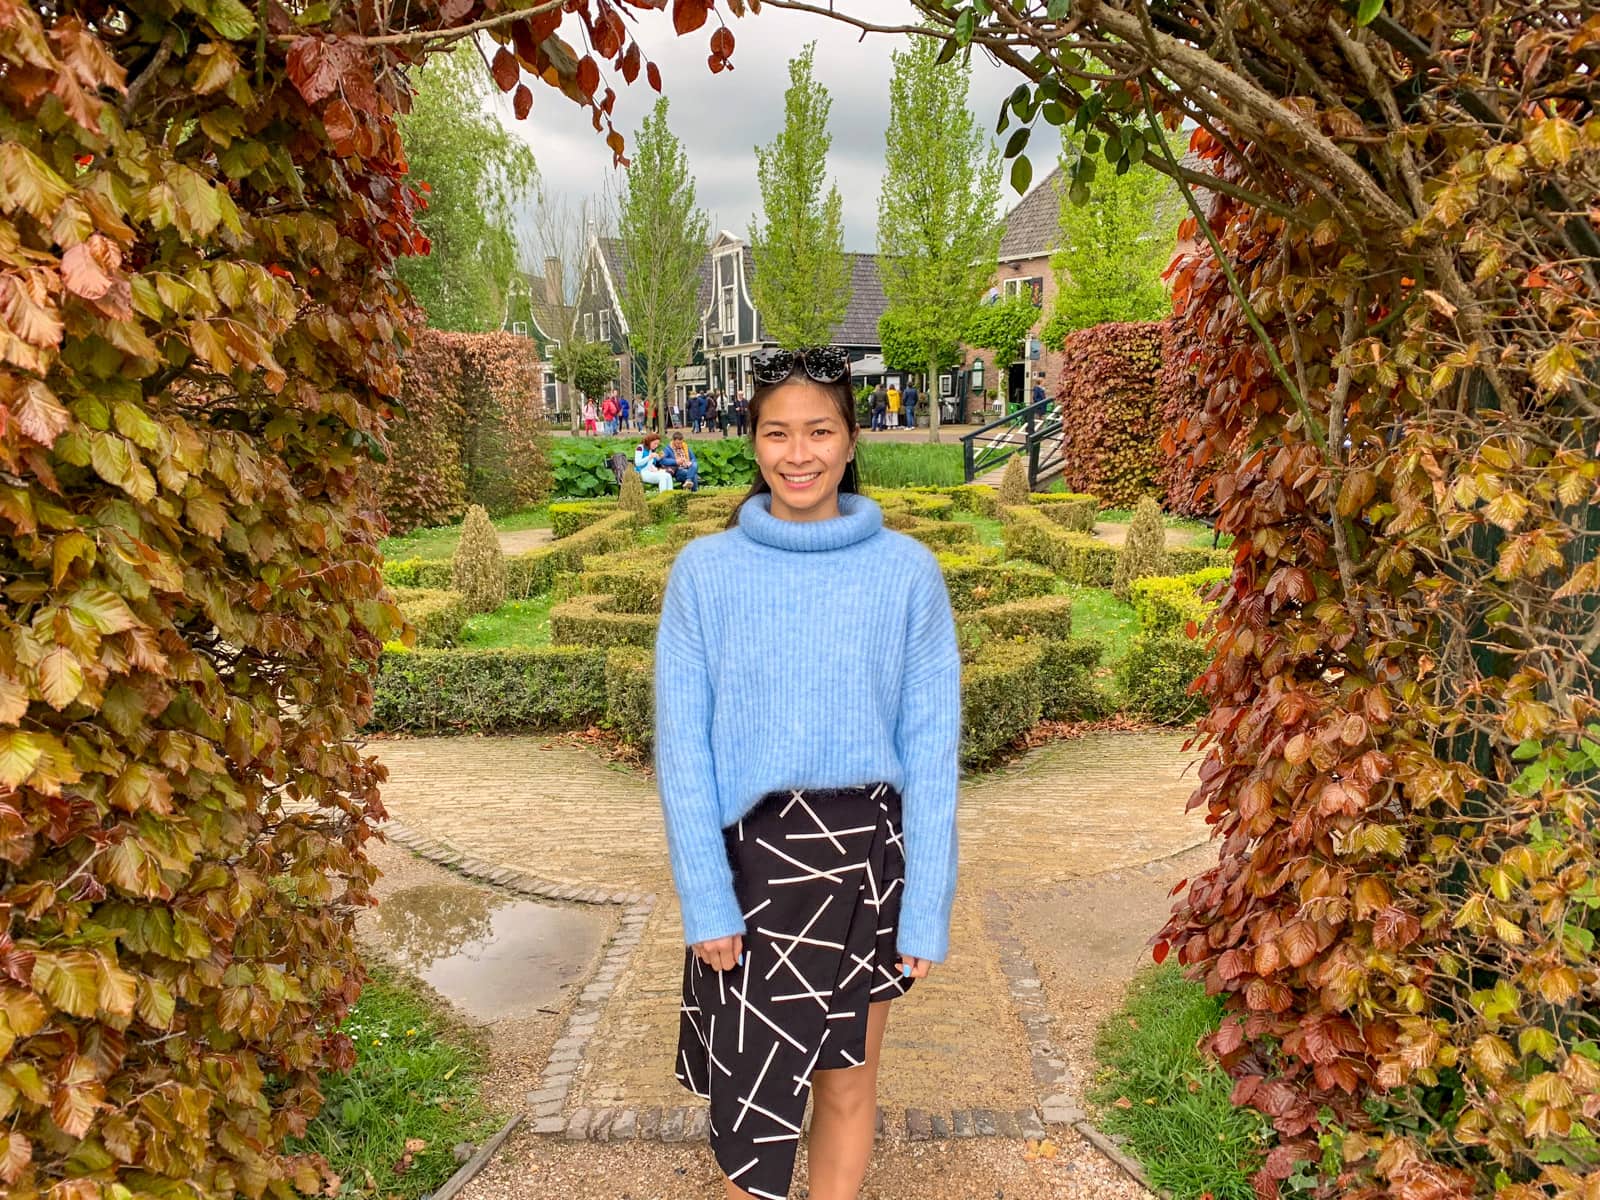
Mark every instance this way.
x=801 y=286
x=938 y=236
x=663 y=237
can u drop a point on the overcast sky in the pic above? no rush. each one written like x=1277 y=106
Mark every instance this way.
x=721 y=118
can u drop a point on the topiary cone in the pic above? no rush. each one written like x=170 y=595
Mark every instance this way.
x=478 y=568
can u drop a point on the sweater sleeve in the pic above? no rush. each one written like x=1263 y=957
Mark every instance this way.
x=685 y=775
x=928 y=737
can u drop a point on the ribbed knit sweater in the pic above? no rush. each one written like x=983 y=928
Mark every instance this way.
x=807 y=654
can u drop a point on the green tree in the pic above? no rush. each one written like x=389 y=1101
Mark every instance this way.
x=477 y=174
x=902 y=349
x=801 y=284
x=1002 y=325
x=1117 y=235
x=663 y=239
x=937 y=234
x=587 y=366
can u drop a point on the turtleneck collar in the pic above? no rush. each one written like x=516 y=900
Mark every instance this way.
x=859 y=518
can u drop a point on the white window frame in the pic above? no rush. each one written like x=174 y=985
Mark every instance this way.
x=605 y=324
x=730 y=311
x=588 y=327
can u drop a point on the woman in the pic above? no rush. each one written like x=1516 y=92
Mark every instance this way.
x=589 y=415
x=647 y=461
x=792 y=735
x=741 y=411
x=681 y=463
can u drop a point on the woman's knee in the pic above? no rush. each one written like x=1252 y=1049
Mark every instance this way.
x=845 y=1092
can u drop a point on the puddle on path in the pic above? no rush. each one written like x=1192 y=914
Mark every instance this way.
x=493 y=956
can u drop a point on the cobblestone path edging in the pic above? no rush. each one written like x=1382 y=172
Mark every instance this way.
x=689 y=1123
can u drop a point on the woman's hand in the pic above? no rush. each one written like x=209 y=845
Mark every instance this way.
x=721 y=954
x=918 y=967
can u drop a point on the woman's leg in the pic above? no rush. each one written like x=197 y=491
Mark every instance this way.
x=844 y=1117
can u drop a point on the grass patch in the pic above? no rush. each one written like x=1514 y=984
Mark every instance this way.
x=416 y=1080
x=515 y=624
x=909 y=464
x=1097 y=614
x=1154 y=1088
x=439 y=541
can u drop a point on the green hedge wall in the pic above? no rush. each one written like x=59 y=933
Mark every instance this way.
x=1071 y=691
x=978 y=498
x=1002 y=696
x=976 y=582
x=534 y=571
x=596 y=621
x=1071 y=510
x=630 y=694
x=1038 y=617
x=637 y=580
x=437 y=613
x=488 y=691
x=1167 y=603
x=1077 y=557
x=1200 y=558
x=1156 y=676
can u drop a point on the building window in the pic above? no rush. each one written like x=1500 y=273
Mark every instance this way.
x=588 y=327
x=605 y=324
x=727 y=310
x=1031 y=286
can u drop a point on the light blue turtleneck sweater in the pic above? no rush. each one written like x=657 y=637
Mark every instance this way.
x=807 y=654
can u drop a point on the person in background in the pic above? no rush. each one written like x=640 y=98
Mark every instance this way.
x=724 y=410
x=697 y=410
x=894 y=406
x=910 y=399
x=741 y=410
x=589 y=415
x=680 y=461
x=647 y=460
x=608 y=414
x=624 y=412
x=1038 y=388
x=878 y=407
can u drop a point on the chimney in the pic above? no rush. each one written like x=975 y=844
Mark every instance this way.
x=553 y=283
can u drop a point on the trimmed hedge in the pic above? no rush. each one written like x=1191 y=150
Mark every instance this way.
x=1167 y=603
x=685 y=532
x=977 y=498
x=1002 y=697
x=489 y=691
x=1111 y=411
x=1077 y=557
x=630 y=694
x=1156 y=676
x=1071 y=691
x=534 y=571
x=1038 y=617
x=939 y=536
x=976 y=582
x=567 y=517
x=437 y=613
x=1200 y=558
x=1071 y=510
x=637 y=580
x=598 y=621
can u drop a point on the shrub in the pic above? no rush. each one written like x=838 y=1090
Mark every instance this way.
x=630 y=694
x=1077 y=558
x=1071 y=691
x=1111 y=410
x=568 y=516
x=437 y=614
x=686 y=531
x=1145 y=550
x=532 y=572
x=478 y=568
x=489 y=691
x=1070 y=510
x=1167 y=603
x=596 y=621
x=974 y=582
x=632 y=499
x=938 y=535
x=1013 y=483
x=977 y=498
x=1039 y=617
x=1157 y=673
x=472 y=433
x=635 y=580
x=1002 y=697
x=1189 y=559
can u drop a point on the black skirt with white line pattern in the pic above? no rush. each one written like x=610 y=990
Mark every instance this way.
x=818 y=875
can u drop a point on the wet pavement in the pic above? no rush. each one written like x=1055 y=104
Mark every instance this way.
x=492 y=956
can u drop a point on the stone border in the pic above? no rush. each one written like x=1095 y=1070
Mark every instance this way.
x=690 y=1123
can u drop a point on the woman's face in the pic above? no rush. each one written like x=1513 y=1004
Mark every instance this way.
x=802 y=445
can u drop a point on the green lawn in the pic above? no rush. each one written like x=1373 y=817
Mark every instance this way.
x=1154 y=1088
x=416 y=1081
x=988 y=527
x=439 y=541
x=1097 y=614
x=515 y=624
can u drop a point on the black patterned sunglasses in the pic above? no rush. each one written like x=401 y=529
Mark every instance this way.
x=824 y=364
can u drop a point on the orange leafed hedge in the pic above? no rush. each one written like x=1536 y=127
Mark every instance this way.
x=472 y=432
x=1111 y=409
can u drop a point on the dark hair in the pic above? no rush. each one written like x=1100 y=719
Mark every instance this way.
x=844 y=400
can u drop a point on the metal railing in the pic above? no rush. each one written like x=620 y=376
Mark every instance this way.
x=1034 y=431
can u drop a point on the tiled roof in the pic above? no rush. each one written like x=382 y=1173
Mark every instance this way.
x=1033 y=227
x=859 y=325
x=616 y=260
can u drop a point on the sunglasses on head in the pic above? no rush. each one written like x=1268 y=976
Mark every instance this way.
x=824 y=364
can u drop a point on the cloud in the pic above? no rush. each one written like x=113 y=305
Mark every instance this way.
x=721 y=118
